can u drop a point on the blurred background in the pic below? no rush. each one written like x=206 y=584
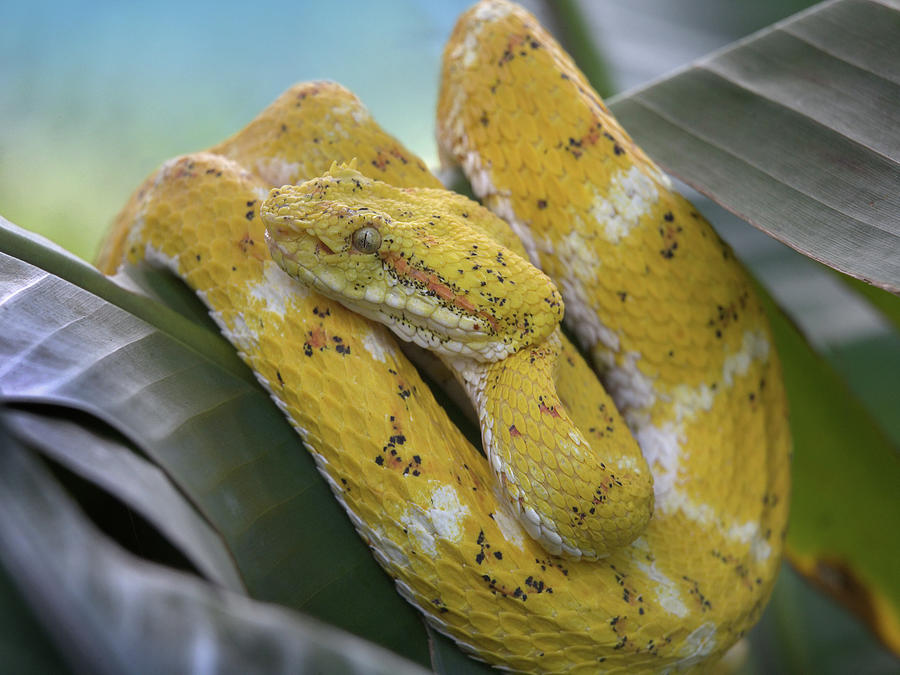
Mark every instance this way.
x=95 y=95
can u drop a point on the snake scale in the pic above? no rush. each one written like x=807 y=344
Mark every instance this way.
x=660 y=507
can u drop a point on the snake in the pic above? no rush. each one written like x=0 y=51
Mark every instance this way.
x=628 y=510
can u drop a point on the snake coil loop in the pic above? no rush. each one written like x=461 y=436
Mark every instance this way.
x=668 y=316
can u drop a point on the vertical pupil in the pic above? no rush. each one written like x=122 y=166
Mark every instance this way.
x=366 y=239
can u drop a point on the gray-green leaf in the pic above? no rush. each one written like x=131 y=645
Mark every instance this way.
x=112 y=613
x=795 y=129
x=111 y=464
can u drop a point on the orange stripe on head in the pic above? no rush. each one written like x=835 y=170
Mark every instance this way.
x=433 y=283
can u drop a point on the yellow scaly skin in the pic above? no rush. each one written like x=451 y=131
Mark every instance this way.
x=429 y=269
x=418 y=493
x=669 y=317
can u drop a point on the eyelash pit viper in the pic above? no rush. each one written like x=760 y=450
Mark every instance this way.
x=667 y=315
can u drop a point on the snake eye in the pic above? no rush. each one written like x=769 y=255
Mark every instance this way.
x=366 y=239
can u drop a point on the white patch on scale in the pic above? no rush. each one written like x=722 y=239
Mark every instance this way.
x=387 y=551
x=698 y=645
x=466 y=51
x=581 y=269
x=754 y=346
x=276 y=171
x=443 y=519
x=239 y=333
x=276 y=288
x=360 y=115
x=157 y=258
x=629 y=196
x=509 y=525
x=663 y=444
x=667 y=593
x=749 y=533
x=492 y=11
x=378 y=343
x=631 y=389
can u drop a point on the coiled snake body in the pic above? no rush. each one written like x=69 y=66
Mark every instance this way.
x=668 y=316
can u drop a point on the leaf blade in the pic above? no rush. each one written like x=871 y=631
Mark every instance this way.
x=43 y=254
x=110 y=612
x=735 y=127
x=845 y=472
x=111 y=465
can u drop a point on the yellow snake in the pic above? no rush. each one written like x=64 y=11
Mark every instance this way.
x=668 y=316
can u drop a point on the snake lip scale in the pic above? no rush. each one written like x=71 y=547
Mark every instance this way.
x=634 y=525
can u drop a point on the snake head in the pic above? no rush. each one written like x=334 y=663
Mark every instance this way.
x=324 y=244
x=400 y=257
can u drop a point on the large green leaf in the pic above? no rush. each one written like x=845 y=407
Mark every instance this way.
x=110 y=463
x=796 y=130
x=888 y=305
x=112 y=613
x=44 y=254
x=214 y=432
x=845 y=478
x=805 y=631
x=25 y=646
